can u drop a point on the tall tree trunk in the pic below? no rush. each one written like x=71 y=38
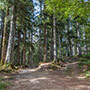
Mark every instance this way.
x=24 y=49
x=45 y=43
x=31 y=51
x=18 y=51
x=2 y=31
x=73 y=47
x=69 y=41
x=52 y=47
x=60 y=52
x=5 y=36
x=85 y=44
x=54 y=37
x=10 y=48
x=63 y=52
x=40 y=41
x=67 y=51
x=79 y=51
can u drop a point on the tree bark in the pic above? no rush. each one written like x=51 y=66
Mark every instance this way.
x=24 y=49
x=2 y=31
x=10 y=48
x=52 y=47
x=18 y=51
x=69 y=41
x=40 y=41
x=79 y=51
x=67 y=51
x=31 y=51
x=5 y=36
x=45 y=43
x=85 y=44
x=54 y=37
x=60 y=52
x=73 y=47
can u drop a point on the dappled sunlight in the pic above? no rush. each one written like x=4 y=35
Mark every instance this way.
x=36 y=80
x=27 y=70
x=80 y=77
x=73 y=63
x=50 y=89
x=35 y=69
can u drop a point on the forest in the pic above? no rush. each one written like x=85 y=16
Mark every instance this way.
x=49 y=35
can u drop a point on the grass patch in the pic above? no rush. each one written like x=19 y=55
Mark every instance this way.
x=2 y=86
x=3 y=83
x=85 y=64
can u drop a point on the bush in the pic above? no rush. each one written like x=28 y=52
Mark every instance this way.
x=85 y=63
x=86 y=55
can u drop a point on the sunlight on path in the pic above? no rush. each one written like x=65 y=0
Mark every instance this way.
x=33 y=79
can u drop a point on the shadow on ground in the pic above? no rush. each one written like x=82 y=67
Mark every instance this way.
x=40 y=79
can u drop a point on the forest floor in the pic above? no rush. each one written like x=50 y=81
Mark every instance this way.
x=69 y=77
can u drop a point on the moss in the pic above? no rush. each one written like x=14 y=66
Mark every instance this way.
x=7 y=68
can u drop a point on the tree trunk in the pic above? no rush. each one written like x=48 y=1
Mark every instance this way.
x=24 y=49
x=54 y=37
x=40 y=41
x=2 y=31
x=67 y=51
x=52 y=47
x=79 y=51
x=73 y=47
x=10 y=48
x=85 y=44
x=31 y=52
x=18 y=51
x=60 y=52
x=5 y=36
x=45 y=43
x=69 y=41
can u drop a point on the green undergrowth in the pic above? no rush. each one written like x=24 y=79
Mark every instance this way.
x=7 y=68
x=86 y=56
x=85 y=64
x=3 y=84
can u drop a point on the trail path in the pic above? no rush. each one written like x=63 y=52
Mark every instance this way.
x=69 y=78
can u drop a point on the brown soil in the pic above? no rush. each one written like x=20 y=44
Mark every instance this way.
x=69 y=77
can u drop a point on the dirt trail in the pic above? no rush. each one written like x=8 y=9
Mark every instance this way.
x=69 y=78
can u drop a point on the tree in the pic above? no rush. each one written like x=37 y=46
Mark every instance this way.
x=54 y=38
x=10 y=47
x=5 y=36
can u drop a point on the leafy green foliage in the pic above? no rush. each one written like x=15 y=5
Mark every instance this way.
x=3 y=84
x=86 y=55
x=85 y=63
x=87 y=74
